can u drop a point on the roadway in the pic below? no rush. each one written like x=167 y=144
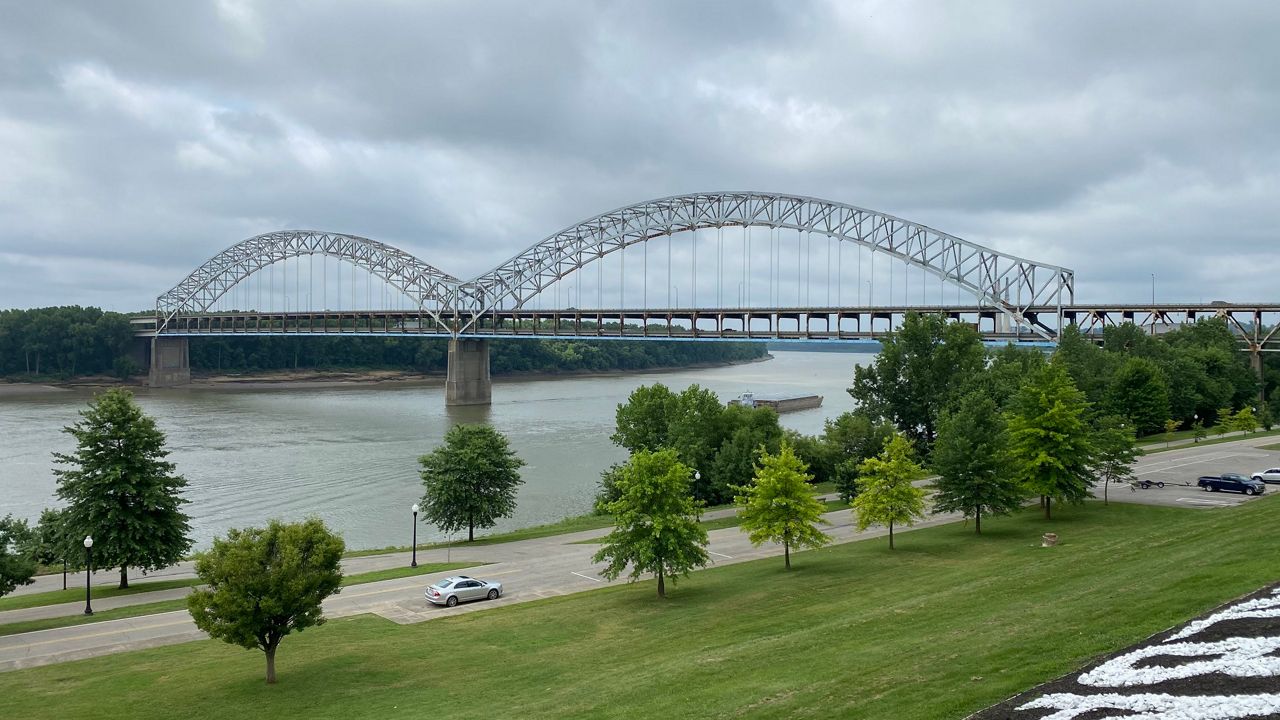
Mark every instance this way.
x=546 y=567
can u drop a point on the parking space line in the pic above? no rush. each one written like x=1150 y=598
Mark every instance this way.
x=1171 y=467
x=586 y=577
x=713 y=552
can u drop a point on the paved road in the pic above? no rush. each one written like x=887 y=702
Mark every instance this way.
x=545 y=567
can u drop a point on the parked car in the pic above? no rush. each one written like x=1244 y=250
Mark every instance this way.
x=1268 y=476
x=460 y=588
x=1233 y=482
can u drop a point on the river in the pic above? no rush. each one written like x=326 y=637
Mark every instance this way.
x=349 y=454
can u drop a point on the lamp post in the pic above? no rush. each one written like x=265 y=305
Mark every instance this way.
x=88 y=572
x=415 y=536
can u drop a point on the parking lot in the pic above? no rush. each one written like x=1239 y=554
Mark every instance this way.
x=1179 y=470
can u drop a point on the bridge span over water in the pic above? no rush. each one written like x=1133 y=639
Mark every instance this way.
x=773 y=267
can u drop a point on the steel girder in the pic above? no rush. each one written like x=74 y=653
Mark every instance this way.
x=990 y=275
x=427 y=286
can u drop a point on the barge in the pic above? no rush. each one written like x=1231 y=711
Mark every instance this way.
x=779 y=403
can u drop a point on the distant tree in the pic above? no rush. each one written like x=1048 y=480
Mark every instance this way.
x=1244 y=420
x=1008 y=368
x=1224 y=421
x=920 y=369
x=734 y=463
x=470 y=480
x=777 y=506
x=1115 y=451
x=1138 y=391
x=848 y=440
x=608 y=485
x=1170 y=427
x=1049 y=444
x=698 y=428
x=643 y=421
x=17 y=566
x=1089 y=366
x=263 y=583
x=656 y=521
x=120 y=489
x=1264 y=417
x=54 y=544
x=970 y=458
x=1198 y=429
x=886 y=495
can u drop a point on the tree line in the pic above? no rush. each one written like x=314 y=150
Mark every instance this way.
x=72 y=341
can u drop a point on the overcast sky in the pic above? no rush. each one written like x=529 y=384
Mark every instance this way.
x=1117 y=139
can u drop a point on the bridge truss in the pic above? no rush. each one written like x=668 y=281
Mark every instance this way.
x=1020 y=290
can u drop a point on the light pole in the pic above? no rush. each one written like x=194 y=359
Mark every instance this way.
x=415 y=536
x=88 y=572
x=1153 y=289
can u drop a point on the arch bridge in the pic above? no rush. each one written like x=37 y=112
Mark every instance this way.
x=704 y=266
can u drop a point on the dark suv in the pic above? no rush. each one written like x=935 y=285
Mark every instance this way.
x=1233 y=482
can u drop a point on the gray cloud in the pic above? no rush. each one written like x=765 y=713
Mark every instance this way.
x=138 y=139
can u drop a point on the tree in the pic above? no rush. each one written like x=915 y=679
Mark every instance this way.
x=1170 y=427
x=643 y=422
x=848 y=440
x=734 y=463
x=1224 y=421
x=1049 y=446
x=264 y=583
x=921 y=368
x=17 y=566
x=656 y=528
x=1139 y=392
x=1244 y=420
x=121 y=490
x=778 y=507
x=1115 y=451
x=1198 y=430
x=970 y=459
x=697 y=430
x=470 y=480
x=886 y=496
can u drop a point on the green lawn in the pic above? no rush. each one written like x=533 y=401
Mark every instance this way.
x=181 y=603
x=1151 y=449
x=944 y=625
x=1273 y=448
x=74 y=594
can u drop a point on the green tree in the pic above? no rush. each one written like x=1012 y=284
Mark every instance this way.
x=1224 y=421
x=120 y=489
x=778 y=507
x=1170 y=427
x=1049 y=446
x=1115 y=451
x=54 y=544
x=1198 y=429
x=470 y=480
x=1138 y=391
x=1244 y=420
x=697 y=430
x=970 y=459
x=734 y=463
x=920 y=369
x=17 y=566
x=1089 y=366
x=886 y=496
x=643 y=421
x=848 y=440
x=263 y=583
x=656 y=521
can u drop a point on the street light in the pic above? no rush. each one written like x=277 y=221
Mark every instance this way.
x=415 y=536
x=88 y=571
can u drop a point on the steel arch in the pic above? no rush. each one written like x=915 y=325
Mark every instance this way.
x=989 y=274
x=431 y=289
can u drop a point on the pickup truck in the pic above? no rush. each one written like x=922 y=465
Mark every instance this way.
x=1231 y=481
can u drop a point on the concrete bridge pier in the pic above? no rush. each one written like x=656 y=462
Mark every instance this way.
x=1255 y=360
x=170 y=362
x=467 y=379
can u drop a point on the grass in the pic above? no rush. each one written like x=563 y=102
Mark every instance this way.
x=181 y=603
x=100 y=592
x=728 y=522
x=1275 y=447
x=1151 y=449
x=946 y=624
x=574 y=524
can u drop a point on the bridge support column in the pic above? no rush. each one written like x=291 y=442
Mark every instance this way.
x=467 y=380
x=1255 y=359
x=170 y=362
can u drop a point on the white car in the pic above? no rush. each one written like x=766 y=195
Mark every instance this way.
x=1268 y=476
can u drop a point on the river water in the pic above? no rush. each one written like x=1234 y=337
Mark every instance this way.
x=349 y=454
